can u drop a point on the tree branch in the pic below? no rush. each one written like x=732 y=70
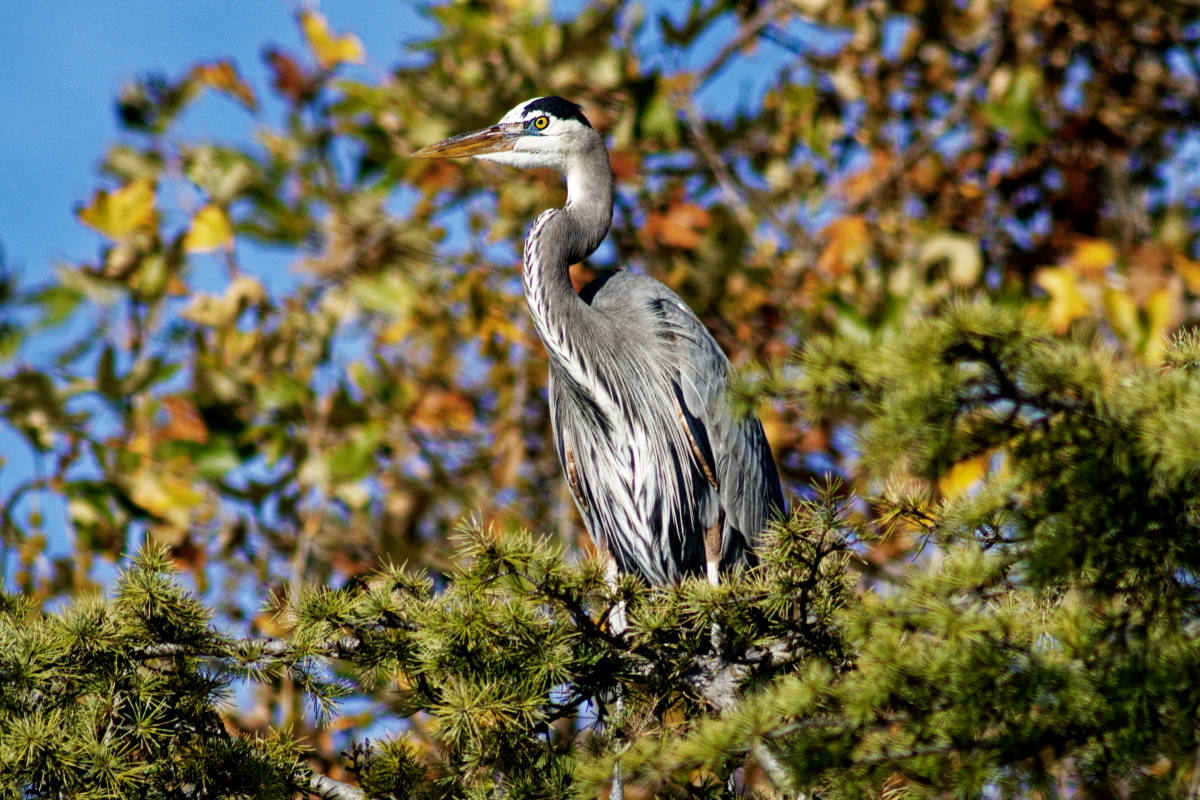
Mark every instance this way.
x=263 y=648
x=329 y=789
x=964 y=93
x=749 y=29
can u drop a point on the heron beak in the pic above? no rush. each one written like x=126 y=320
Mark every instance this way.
x=488 y=140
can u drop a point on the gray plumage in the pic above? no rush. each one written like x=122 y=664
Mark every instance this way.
x=669 y=481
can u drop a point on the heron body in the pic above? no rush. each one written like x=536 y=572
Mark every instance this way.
x=669 y=480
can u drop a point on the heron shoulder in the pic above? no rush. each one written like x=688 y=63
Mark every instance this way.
x=623 y=290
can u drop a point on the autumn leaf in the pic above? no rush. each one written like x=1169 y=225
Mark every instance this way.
x=168 y=496
x=439 y=411
x=680 y=226
x=625 y=164
x=1067 y=303
x=183 y=420
x=964 y=475
x=290 y=79
x=845 y=245
x=210 y=230
x=122 y=212
x=1162 y=313
x=961 y=254
x=223 y=76
x=1093 y=256
x=1189 y=269
x=220 y=311
x=329 y=50
x=1121 y=312
x=858 y=186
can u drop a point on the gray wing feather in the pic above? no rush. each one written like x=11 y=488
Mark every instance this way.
x=735 y=446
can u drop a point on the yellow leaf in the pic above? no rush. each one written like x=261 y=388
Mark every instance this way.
x=961 y=254
x=220 y=311
x=1093 y=255
x=1067 y=303
x=126 y=210
x=1122 y=314
x=167 y=496
x=1160 y=313
x=1189 y=269
x=963 y=475
x=396 y=331
x=330 y=50
x=210 y=230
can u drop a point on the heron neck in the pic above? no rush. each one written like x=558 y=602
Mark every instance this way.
x=562 y=237
x=589 y=201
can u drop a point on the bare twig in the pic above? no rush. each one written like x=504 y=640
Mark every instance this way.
x=748 y=31
x=738 y=202
x=964 y=93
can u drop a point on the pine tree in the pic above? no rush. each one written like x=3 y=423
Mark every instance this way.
x=1051 y=620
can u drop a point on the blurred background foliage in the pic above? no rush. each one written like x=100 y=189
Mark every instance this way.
x=275 y=431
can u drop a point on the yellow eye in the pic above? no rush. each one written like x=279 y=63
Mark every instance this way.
x=540 y=123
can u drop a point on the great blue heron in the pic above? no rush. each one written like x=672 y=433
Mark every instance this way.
x=669 y=480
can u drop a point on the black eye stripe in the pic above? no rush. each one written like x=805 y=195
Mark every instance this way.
x=557 y=107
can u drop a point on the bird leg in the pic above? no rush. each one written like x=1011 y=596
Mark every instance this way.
x=713 y=551
x=712 y=559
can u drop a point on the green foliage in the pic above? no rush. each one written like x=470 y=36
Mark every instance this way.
x=1056 y=618
x=90 y=709
x=995 y=592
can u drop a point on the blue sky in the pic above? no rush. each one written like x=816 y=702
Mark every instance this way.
x=63 y=62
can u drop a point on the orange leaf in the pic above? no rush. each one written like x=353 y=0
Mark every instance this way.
x=624 y=164
x=183 y=421
x=440 y=411
x=680 y=226
x=223 y=76
x=329 y=50
x=846 y=245
x=862 y=183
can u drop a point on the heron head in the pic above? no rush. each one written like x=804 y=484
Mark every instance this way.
x=540 y=132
